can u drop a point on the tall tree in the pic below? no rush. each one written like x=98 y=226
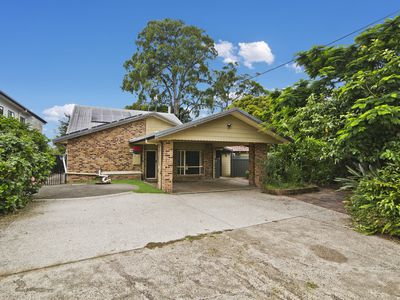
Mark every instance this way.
x=228 y=86
x=171 y=66
x=62 y=130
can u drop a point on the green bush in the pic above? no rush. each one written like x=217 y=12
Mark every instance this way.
x=25 y=163
x=300 y=162
x=375 y=204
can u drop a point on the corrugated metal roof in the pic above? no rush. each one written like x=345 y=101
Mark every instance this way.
x=87 y=117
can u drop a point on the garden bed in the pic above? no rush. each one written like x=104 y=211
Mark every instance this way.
x=289 y=190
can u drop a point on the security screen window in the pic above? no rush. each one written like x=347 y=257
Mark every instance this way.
x=189 y=162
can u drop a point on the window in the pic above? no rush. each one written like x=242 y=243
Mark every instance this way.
x=11 y=114
x=189 y=162
x=22 y=120
x=1 y=110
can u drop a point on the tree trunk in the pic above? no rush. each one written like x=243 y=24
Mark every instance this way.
x=175 y=101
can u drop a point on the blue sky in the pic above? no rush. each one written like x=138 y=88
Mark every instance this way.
x=63 y=52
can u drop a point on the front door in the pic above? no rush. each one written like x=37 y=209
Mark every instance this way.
x=150 y=164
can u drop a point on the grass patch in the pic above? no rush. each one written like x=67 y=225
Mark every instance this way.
x=285 y=185
x=189 y=238
x=311 y=285
x=142 y=187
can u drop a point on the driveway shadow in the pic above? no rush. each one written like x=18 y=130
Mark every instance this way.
x=81 y=190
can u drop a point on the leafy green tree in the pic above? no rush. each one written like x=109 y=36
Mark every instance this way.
x=373 y=120
x=62 y=130
x=363 y=82
x=184 y=114
x=351 y=101
x=25 y=162
x=257 y=106
x=171 y=66
x=147 y=107
x=228 y=86
x=346 y=113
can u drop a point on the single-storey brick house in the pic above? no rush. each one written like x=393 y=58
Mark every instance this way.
x=157 y=147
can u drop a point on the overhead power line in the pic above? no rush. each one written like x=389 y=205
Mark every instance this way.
x=325 y=45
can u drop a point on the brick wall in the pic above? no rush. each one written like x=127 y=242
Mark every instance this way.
x=208 y=161
x=167 y=166
x=251 y=164
x=89 y=178
x=107 y=149
x=260 y=155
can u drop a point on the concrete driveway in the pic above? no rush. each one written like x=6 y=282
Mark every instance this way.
x=81 y=190
x=85 y=248
x=221 y=184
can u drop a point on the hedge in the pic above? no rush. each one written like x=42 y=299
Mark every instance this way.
x=25 y=162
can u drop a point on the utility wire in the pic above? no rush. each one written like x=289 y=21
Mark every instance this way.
x=326 y=45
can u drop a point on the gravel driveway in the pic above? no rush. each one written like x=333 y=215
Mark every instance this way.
x=152 y=246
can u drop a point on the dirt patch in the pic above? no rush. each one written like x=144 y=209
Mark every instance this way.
x=328 y=254
x=329 y=198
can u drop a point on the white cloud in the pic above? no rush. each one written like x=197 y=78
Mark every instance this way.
x=255 y=52
x=57 y=112
x=295 y=67
x=226 y=50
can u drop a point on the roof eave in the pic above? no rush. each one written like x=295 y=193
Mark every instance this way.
x=23 y=107
x=110 y=125
x=195 y=123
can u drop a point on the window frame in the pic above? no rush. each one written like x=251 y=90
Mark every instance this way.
x=182 y=168
x=22 y=119
x=10 y=114
x=1 y=110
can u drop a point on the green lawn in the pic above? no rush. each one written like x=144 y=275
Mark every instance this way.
x=142 y=187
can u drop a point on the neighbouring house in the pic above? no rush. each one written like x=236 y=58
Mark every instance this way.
x=232 y=161
x=157 y=147
x=11 y=108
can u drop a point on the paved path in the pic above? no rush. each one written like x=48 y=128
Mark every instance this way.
x=285 y=249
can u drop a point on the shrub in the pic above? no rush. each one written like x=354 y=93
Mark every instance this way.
x=375 y=204
x=300 y=162
x=25 y=163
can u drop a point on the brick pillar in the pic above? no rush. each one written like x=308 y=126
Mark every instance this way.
x=260 y=156
x=167 y=166
x=251 y=164
x=208 y=161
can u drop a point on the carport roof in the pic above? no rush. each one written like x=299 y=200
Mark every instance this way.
x=170 y=131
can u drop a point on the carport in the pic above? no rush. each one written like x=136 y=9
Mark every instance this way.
x=222 y=184
x=182 y=158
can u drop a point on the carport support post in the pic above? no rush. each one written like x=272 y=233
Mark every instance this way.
x=208 y=161
x=167 y=166
x=257 y=157
x=251 y=164
x=260 y=156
